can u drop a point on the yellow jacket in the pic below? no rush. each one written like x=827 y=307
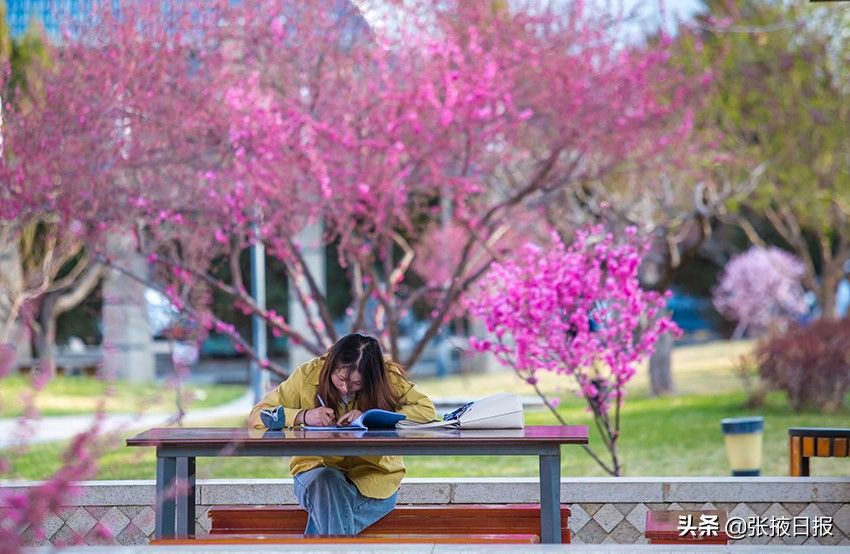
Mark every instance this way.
x=374 y=476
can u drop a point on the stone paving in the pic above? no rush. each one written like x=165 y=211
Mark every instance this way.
x=441 y=549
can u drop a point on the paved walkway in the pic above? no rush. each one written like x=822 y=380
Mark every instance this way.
x=55 y=428
x=440 y=548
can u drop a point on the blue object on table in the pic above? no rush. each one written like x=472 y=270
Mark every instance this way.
x=274 y=418
x=457 y=413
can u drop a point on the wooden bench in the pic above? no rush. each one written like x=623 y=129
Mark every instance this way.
x=368 y=538
x=808 y=442
x=509 y=523
x=665 y=527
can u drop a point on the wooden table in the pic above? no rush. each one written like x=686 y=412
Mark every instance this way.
x=807 y=442
x=177 y=449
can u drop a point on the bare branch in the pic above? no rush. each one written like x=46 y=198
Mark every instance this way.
x=69 y=279
x=397 y=274
x=242 y=296
x=316 y=293
x=80 y=289
x=236 y=271
x=303 y=300
x=745 y=225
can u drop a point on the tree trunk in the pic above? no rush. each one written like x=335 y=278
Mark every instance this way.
x=657 y=274
x=660 y=375
x=827 y=294
x=45 y=344
x=55 y=304
x=12 y=329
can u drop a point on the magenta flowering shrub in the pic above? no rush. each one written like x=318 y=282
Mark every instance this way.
x=761 y=289
x=29 y=508
x=577 y=311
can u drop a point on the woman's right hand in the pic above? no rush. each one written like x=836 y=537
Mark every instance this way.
x=320 y=417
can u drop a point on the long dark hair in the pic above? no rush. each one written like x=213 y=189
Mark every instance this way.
x=361 y=353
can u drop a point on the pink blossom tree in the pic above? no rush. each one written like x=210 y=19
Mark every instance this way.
x=208 y=126
x=577 y=311
x=762 y=290
x=67 y=171
x=451 y=116
x=43 y=270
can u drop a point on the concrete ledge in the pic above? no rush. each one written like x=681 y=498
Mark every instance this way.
x=604 y=510
x=759 y=489
x=492 y=490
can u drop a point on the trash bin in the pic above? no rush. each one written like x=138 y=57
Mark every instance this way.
x=743 y=437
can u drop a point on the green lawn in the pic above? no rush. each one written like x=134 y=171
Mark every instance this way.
x=82 y=395
x=668 y=436
x=697 y=369
x=672 y=436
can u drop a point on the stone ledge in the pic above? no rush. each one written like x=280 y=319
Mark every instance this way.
x=604 y=510
x=493 y=490
x=101 y=493
x=759 y=489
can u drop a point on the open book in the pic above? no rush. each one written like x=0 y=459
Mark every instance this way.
x=497 y=411
x=370 y=419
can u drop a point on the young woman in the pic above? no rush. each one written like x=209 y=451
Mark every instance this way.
x=343 y=495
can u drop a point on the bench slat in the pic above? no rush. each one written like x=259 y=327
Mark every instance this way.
x=796 y=448
x=451 y=519
x=375 y=538
x=808 y=446
x=808 y=442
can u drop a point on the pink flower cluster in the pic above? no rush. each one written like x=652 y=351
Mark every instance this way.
x=761 y=289
x=576 y=310
x=31 y=507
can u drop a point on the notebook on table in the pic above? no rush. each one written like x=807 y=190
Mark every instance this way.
x=497 y=411
x=370 y=419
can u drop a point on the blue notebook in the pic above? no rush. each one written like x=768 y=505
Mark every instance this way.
x=370 y=419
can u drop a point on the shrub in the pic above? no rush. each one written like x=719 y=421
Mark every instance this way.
x=577 y=311
x=811 y=363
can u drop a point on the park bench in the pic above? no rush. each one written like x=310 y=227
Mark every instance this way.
x=363 y=538
x=808 y=442
x=438 y=523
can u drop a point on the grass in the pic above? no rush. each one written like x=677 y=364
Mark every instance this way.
x=82 y=395
x=697 y=368
x=678 y=435
x=660 y=436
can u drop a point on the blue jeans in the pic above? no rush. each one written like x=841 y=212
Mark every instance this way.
x=334 y=505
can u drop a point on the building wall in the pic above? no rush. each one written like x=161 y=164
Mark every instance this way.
x=47 y=13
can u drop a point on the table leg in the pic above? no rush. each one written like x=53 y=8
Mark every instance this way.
x=166 y=470
x=550 y=498
x=186 y=497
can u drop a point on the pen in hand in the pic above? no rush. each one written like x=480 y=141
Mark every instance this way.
x=325 y=415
